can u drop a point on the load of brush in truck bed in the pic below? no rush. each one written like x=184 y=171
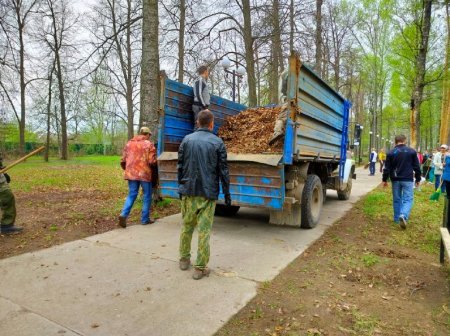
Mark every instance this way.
x=250 y=131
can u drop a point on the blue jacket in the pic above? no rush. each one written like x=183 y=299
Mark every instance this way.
x=402 y=164
x=446 y=173
x=202 y=162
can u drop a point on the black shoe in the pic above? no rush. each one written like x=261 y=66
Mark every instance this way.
x=150 y=221
x=123 y=221
x=9 y=229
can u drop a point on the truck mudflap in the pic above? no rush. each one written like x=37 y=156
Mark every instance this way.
x=256 y=180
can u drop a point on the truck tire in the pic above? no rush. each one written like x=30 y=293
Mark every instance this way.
x=312 y=201
x=224 y=211
x=345 y=194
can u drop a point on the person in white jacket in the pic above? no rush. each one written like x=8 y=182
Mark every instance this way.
x=438 y=161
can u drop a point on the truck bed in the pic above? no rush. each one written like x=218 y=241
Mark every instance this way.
x=318 y=133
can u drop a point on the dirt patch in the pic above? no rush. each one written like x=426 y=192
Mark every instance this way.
x=352 y=281
x=250 y=131
x=54 y=217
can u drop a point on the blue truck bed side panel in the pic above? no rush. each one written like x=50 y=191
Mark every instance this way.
x=251 y=184
x=321 y=119
x=178 y=119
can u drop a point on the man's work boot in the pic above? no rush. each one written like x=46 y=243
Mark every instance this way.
x=200 y=273
x=123 y=221
x=184 y=264
x=10 y=229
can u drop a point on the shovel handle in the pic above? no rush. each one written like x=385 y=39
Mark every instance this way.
x=22 y=159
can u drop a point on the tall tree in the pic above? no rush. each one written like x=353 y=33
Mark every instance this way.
x=60 y=22
x=318 y=64
x=249 y=56
x=445 y=110
x=15 y=31
x=424 y=25
x=181 y=40
x=276 y=52
x=117 y=40
x=150 y=81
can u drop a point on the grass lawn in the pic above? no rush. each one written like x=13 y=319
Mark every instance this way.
x=364 y=276
x=61 y=201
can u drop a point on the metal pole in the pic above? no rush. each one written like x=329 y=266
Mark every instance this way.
x=359 y=149
x=238 y=90
x=234 y=86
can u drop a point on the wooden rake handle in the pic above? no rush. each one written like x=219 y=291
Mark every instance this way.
x=22 y=159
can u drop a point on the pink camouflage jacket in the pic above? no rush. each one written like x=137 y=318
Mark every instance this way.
x=138 y=156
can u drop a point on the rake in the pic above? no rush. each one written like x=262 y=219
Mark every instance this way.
x=435 y=196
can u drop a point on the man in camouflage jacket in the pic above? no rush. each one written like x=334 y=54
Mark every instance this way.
x=7 y=205
x=138 y=160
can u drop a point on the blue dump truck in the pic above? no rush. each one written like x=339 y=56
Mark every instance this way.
x=291 y=184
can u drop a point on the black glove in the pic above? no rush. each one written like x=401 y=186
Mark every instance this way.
x=228 y=200
x=123 y=165
x=8 y=178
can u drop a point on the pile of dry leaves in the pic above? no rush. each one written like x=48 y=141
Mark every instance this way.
x=250 y=131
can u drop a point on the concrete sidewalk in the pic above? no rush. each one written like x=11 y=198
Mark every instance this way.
x=127 y=282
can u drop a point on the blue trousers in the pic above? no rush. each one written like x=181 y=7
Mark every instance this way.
x=372 y=168
x=403 y=198
x=437 y=182
x=133 y=190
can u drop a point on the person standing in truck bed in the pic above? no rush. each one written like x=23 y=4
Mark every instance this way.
x=280 y=124
x=201 y=92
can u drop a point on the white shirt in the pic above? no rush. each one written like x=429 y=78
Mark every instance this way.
x=375 y=155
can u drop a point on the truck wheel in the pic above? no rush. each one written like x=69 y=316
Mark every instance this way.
x=224 y=211
x=345 y=194
x=312 y=201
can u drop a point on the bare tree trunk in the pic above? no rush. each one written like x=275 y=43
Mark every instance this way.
x=62 y=100
x=125 y=63
x=181 y=41
x=49 y=112
x=445 y=110
x=276 y=51
x=22 y=84
x=292 y=26
x=150 y=83
x=21 y=17
x=417 y=96
x=318 y=65
x=128 y=70
x=249 y=57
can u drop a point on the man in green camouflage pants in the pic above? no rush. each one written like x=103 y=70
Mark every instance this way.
x=7 y=205
x=196 y=211
x=202 y=162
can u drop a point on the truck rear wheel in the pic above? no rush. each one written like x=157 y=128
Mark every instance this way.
x=226 y=211
x=312 y=202
x=345 y=194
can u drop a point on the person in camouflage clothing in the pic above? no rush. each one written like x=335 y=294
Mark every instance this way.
x=202 y=162
x=138 y=161
x=7 y=205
